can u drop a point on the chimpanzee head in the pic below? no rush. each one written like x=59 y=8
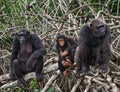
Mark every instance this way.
x=61 y=40
x=23 y=36
x=98 y=28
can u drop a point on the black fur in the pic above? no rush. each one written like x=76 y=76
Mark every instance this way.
x=27 y=57
x=93 y=49
x=70 y=46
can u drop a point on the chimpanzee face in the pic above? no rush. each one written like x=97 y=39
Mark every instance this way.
x=101 y=30
x=61 y=41
x=98 y=28
x=23 y=36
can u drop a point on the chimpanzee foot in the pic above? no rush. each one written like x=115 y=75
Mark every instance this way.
x=104 y=68
x=65 y=73
x=78 y=72
x=23 y=84
x=86 y=72
x=39 y=80
x=40 y=84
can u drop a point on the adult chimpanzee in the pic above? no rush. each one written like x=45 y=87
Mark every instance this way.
x=66 y=49
x=94 y=47
x=27 y=56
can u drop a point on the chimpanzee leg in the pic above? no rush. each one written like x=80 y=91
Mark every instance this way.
x=19 y=70
x=103 y=62
x=78 y=69
x=77 y=61
x=77 y=58
x=85 y=68
x=72 y=55
x=85 y=65
x=39 y=67
x=61 y=67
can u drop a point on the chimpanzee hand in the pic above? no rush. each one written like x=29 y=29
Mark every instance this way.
x=29 y=63
x=12 y=76
x=65 y=63
x=64 y=53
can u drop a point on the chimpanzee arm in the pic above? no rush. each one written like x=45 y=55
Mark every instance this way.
x=57 y=48
x=60 y=58
x=73 y=44
x=14 y=55
x=83 y=49
x=38 y=46
x=105 y=51
x=59 y=53
x=39 y=49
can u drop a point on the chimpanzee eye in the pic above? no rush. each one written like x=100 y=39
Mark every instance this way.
x=101 y=26
x=22 y=35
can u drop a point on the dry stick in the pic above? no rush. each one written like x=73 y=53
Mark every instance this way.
x=50 y=81
x=74 y=27
x=109 y=15
x=8 y=85
x=98 y=14
x=26 y=15
x=4 y=77
x=76 y=85
x=118 y=7
x=45 y=69
x=107 y=2
x=113 y=65
x=117 y=38
x=113 y=85
x=91 y=8
x=116 y=73
x=58 y=88
x=97 y=81
x=51 y=68
x=52 y=59
x=115 y=27
x=89 y=84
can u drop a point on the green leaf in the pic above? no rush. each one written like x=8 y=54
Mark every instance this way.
x=51 y=89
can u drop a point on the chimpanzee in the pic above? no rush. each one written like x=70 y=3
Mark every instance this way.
x=27 y=56
x=93 y=47
x=66 y=49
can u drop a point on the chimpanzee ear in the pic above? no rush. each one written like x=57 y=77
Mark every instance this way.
x=90 y=24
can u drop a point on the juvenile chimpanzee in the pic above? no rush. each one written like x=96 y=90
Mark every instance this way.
x=27 y=56
x=94 y=47
x=66 y=49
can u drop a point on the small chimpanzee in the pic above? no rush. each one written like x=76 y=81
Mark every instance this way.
x=27 y=56
x=66 y=49
x=94 y=47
